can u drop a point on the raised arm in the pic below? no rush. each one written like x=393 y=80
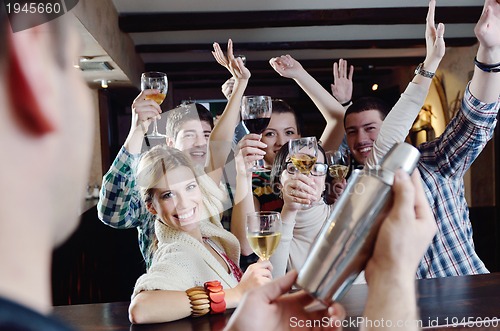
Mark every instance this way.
x=485 y=86
x=227 y=87
x=469 y=131
x=143 y=113
x=120 y=204
x=221 y=138
x=330 y=108
x=398 y=122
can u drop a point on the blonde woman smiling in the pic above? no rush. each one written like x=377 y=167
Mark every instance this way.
x=192 y=246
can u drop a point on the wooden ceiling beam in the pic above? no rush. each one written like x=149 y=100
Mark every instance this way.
x=214 y=68
x=295 y=45
x=153 y=22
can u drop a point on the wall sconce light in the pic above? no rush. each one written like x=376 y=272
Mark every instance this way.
x=375 y=87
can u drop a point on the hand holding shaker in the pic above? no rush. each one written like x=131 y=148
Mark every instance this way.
x=346 y=241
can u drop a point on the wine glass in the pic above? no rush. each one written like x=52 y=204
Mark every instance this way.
x=256 y=113
x=303 y=153
x=264 y=232
x=158 y=81
x=338 y=164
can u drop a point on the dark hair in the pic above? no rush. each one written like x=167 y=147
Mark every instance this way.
x=368 y=103
x=184 y=113
x=281 y=107
x=279 y=163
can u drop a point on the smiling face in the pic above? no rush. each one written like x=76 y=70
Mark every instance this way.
x=192 y=139
x=177 y=200
x=282 y=127
x=362 y=130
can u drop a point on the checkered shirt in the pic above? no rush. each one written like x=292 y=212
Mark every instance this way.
x=442 y=166
x=120 y=205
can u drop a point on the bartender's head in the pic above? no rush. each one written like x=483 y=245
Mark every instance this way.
x=45 y=131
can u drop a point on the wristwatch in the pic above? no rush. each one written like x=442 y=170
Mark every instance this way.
x=421 y=71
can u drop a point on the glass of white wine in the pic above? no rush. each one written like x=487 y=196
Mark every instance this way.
x=303 y=153
x=157 y=81
x=264 y=232
x=338 y=164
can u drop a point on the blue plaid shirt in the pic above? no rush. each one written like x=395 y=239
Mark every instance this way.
x=442 y=166
x=120 y=205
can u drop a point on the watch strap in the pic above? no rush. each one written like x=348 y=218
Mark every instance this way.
x=421 y=71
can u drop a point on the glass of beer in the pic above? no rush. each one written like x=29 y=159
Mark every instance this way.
x=264 y=232
x=157 y=81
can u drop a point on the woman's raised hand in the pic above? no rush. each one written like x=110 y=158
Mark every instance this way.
x=233 y=64
x=297 y=190
x=286 y=66
x=434 y=39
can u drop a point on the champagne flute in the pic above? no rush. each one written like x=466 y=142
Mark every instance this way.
x=264 y=232
x=256 y=113
x=157 y=81
x=338 y=164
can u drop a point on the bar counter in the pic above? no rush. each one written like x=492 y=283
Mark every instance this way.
x=453 y=303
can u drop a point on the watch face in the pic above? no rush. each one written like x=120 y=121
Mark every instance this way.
x=417 y=69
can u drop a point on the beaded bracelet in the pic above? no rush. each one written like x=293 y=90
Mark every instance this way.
x=216 y=296
x=207 y=299
x=200 y=303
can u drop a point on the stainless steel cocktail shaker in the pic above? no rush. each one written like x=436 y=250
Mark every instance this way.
x=346 y=241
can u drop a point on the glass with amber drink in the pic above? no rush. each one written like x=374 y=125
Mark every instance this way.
x=157 y=81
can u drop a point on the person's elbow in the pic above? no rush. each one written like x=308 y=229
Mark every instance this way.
x=137 y=311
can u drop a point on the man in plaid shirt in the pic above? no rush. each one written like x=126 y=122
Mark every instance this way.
x=445 y=160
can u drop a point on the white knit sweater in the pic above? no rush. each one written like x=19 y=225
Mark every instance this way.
x=297 y=238
x=182 y=262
